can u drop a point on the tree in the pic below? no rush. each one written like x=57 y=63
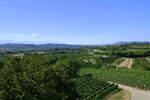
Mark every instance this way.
x=38 y=78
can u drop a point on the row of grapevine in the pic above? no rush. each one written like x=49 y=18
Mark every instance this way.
x=92 y=89
x=135 y=78
x=141 y=63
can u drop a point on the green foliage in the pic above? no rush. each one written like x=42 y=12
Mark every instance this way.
x=127 y=50
x=93 y=89
x=108 y=67
x=98 y=62
x=119 y=61
x=132 y=54
x=141 y=63
x=47 y=74
x=136 y=78
x=38 y=78
x=109 y=60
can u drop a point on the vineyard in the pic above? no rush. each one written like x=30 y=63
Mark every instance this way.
x=92 y=89
x=141 y=63
x=135 y=78
x=119 y=61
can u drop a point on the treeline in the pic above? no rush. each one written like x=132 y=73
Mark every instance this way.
x=132 y=54
x=38 y=78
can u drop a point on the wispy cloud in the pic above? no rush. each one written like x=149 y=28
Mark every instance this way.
x=34 y=35
x=17 y=35
x=20 y=37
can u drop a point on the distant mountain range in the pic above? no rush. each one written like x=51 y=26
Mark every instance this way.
x=131 y=42
x=10 y=46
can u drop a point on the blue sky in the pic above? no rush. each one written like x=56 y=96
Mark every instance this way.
x=75 y=21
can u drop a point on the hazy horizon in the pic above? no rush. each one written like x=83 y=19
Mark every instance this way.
x=54 y=42
x=74 y=21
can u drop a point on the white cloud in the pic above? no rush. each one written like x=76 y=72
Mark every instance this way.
x=34 y=35
x=17 y=35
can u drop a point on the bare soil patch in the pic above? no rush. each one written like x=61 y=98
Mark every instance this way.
x=122 y=95
x=148 y=59
x=127 y=63
x=136 y=94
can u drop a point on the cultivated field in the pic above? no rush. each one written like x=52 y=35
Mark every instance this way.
x=127 y=63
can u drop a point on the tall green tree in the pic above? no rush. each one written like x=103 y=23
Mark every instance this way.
x=38 y=78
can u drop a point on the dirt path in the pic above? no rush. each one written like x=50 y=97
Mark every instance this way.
x=130 y=63
x=122 y=95
x=127 y=63
x=148 y=59
x=136 y=94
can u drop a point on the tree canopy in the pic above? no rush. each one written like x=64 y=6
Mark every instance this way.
x=38 y=78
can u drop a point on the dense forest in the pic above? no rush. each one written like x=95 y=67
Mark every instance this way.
x=38 y=78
